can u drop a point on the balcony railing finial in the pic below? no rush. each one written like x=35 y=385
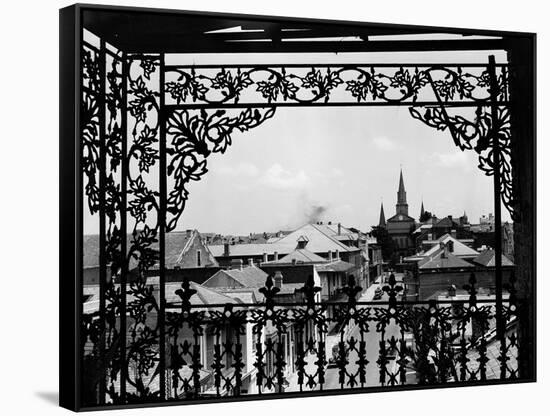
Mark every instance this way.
x=310 y=290
x=185 y=293
x=351 y=290
x=392 y=289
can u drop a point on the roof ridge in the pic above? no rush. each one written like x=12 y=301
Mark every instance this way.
x=330 y=238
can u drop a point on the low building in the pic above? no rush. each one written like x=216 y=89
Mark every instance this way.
x=449 y=265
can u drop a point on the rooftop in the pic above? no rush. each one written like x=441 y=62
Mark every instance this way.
x=488 y=259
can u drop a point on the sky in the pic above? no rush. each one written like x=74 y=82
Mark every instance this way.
x=344 y=160
x=341 y=162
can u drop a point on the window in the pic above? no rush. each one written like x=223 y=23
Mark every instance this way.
x=198 y=258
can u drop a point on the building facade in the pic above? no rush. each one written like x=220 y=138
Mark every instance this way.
x=400 y=226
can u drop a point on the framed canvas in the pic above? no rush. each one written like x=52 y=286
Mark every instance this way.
x=227 y=220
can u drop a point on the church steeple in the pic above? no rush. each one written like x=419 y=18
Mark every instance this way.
x=422 y=210
x=401 y=207
x=382 y=221
x=401 y=194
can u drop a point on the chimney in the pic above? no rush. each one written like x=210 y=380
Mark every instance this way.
x=451 y=291
x=450 y=247
x=330 y=255
x=188 y=232
x=278 y=279
x=226 y=249
x=339 y=229
x=293 y=261
x=275 y=256
x=236 y=264
x=250 y=262
x=337 y=254
x=264 y=259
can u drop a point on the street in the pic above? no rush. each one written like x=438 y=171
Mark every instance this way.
x=372 y=339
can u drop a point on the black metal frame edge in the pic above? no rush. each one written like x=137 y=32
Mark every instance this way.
x=70 y=205
x=286 y=19
x=308 y=395
x=70 y=222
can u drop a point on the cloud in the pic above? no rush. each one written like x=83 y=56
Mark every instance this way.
x=241 y=169
x=453 y=160
x=385 y=144
x=280 y=178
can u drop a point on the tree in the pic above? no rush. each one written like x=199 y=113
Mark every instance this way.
x=385 y=242
x=426 y=215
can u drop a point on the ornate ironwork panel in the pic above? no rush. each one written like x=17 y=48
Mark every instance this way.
x=147 y=131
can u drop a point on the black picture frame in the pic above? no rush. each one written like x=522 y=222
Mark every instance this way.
x=117 y=26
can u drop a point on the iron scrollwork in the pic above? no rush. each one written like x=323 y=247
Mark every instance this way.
x=195 y=135
x=475 y=135
x=350 y=83
x=451 y=341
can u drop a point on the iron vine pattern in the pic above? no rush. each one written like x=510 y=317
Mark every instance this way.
x=121 y=122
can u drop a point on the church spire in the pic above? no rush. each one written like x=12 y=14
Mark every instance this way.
x=401 y=208
x=422 y=209
x=401 y=194
x=382 y=221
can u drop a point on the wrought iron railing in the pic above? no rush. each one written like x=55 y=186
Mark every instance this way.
x=228 y=350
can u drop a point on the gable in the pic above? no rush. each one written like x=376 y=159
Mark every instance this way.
x=222 y=279
x=459 y=249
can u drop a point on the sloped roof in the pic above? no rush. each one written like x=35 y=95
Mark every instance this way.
x=244 y=295
x=422 y=228
x=442 y=259
x=249 y=249
x=248 y=277
x=301 y=255
x=321 y=240
x=459 y=249
x=446 y=222
x=204 y=296
x=176 y=244
x=488 y=259
x=335 y=266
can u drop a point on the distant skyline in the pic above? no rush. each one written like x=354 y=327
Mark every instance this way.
x=335 y=164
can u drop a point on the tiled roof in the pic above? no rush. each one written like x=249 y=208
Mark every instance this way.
x=488 y=259
x=442 y=259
